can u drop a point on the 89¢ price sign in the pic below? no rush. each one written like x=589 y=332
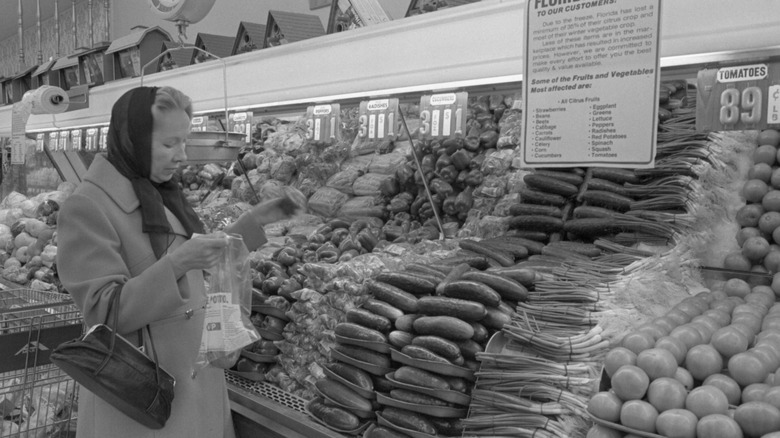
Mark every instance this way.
x=738 y=98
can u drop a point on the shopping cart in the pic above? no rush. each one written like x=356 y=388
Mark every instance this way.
x=37 y=399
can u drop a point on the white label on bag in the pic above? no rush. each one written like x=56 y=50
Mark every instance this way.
x=223 y=330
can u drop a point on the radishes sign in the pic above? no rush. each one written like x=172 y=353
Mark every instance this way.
x=590 y=83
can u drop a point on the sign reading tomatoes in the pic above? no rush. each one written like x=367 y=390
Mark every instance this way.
x=738 y=97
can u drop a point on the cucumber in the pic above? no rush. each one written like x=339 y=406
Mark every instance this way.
x=352 y=374
x=517 y=251
x=549 y=184
x=446 y=426
x=382 y=308
x=399 y=338
x=508 y=288
x=606 y=185
x=425 y=270
x=355 y=331
x=458 y=383
x=406 y=322
x=481 y=334
x=440 y=346
x=369 y=319
x=569 y=177
x=469 y=349
x=422 y=353
x=417 y=398
x=364 y=355
x=496 y=318
x=537 y=222
x=383 y=432
x=418 y=377
x=408 y=420
x=531 y=196
x=381 y=384
x=395 y=296
x=503 y=258
x=343 y=395
x=334 y=416
x=447 y=327
x=453 y=274
x=603 y=198
x=466 y=310
x=414 y=284
x=522 y=209
x=472 y=290
x=620 y=176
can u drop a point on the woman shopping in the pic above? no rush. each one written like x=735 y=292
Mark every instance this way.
x=129 y=223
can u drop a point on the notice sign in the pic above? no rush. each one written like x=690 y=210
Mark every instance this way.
x=590 y=83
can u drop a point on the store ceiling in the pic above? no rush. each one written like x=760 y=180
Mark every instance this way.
x=9 y=15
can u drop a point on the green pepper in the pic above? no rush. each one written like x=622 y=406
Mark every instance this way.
x=428 y=163
x=464 y=200
x=449 y=174
x=461 y=158
x=488 y=139
x=449 y=205
x=475 y=177
x=442 y=162
x=339 y=235
x=472 y=143
x=441 y=187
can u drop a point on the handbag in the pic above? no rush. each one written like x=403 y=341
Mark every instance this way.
x=118 y=372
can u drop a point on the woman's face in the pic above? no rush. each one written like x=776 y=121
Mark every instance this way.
x=168 y=140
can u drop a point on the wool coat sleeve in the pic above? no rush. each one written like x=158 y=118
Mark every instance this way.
x=93 y=256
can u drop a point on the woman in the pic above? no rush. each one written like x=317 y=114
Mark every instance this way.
x=129 y=223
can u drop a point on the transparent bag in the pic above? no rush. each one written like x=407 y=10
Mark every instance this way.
x=227 y=327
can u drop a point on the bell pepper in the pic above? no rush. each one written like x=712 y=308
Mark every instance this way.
x=441 y=187
x=449 y=205
x=472 y=143
x=442 y=162
x=461 y=159
x=449 y=174
x=475 y=177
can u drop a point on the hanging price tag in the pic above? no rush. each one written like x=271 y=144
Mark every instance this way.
x=40 y=142
x=54 y=140
x=75 y=140
x=743 y=97
x=104 y=138
x=443 y=115
x=62 y=141
x=378 y=119
x=241 y=122
x=91 y=139
x=323 y=123
x=200 y=123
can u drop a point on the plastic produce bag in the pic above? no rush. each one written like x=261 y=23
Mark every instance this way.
x=227 y=327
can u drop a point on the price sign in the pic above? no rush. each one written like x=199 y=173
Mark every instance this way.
x=91 y=139
x=75 y=140
x=443 y=115
x=54 y=139
x=323 y=123
x=378 y=119
x=104 y=138
x=200 y=123
x=62 y=140
x=40 y=141
x=241 y=122
x=743 y=97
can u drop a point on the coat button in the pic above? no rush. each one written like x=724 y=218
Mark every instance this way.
x=194 y=374
x=188 y=313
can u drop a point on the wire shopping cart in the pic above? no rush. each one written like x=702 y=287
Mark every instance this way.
x=37 y=399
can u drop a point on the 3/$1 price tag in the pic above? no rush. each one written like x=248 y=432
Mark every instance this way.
x=40 y=142
x=104 y=138
x=54 y=140
x=91 y=139
x=378 y=119
x=62 y=142
x=75 y=140
x=443 y=115
x=242 y=123
x=743 y=97
x=323 y=123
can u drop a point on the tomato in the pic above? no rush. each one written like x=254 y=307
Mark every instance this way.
x=748 y=214
x=677 y=423
x=776 y=284
x=702 y=361
x=706 y=400
x=599 y=431
x=718 y=426
x=757 y=418
x=726 y=384
x=762 y=171
x=606 y=406
x=768 y=137
x=666 y=393
x=637 y=341
x=747 y=368
x=720 y=316
x=684 y=377
x=656 y=331
x=772 y=396
x=675 y=346
x=754 y=392
x=688 y=334
x=618 y=357
x=754 y=190
x=665 y=323
x=729 y=341
x=677 y=316
x=765 y=153
x=630 y=382
x=657 y=362
x=638 y=414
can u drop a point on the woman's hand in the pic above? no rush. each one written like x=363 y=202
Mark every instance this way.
x=199 y=252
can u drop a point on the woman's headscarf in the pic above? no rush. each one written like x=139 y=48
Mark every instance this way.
x=130 y=151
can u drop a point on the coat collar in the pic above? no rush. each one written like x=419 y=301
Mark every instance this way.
x=104 y=175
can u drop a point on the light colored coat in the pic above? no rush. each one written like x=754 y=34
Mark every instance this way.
x=100 y=242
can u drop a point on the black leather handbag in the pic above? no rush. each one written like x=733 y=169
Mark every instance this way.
x=118 y=372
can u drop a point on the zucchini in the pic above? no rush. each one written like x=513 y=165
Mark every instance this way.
x=334 y=416
x=383 y=308
x=607 y=186
x=569 y=177
x=531 y=196
x=356 y=331
x=383 y=432
x=369 y=319
x=496 y=318
x=399 y=338
x=523 y=209
x=466 y=310
x=453 y=274
x=508 y=288
x=419 y=377
x=546 y=224
x=405 y=322
x=548 y=184
x=613 y=201
x=536 y=236
x=616 y=175
x=417 y=398
x=342 y=394
x=352 y=374
x=397 y=297
x=502 y=257
x=469 y=349
x=364 y=355
x=408 y=282
x=517 y=251
x=447 y=327
x=472 y=290
x=408 y=420
x=440 y=346
x=422 y=353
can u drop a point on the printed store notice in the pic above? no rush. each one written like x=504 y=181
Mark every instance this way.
x=590 y=83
